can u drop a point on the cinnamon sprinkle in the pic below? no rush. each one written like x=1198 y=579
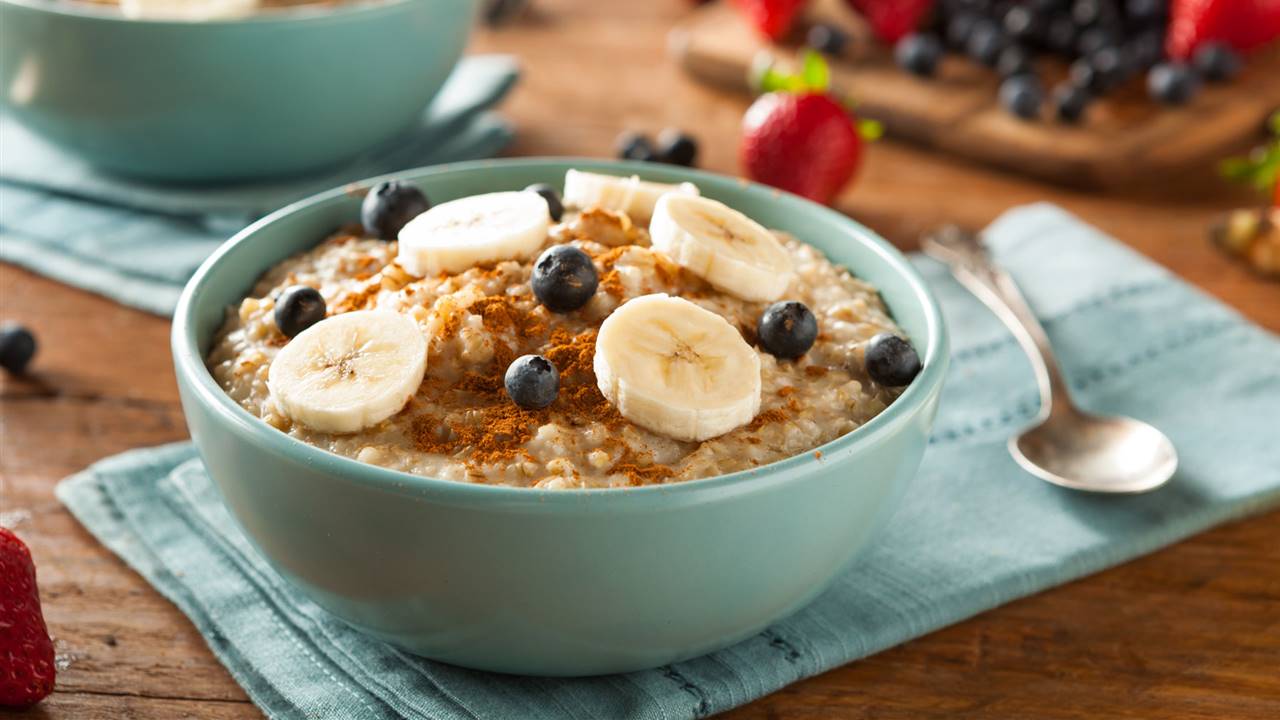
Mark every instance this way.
x=637 y=473
x=358 y=299
x=768 y=416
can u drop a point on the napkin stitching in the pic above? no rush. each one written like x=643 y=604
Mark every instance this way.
x=1092 y=303
x=704 y=705
x=1027 y=407
x=1189 y=337
x=777 y=642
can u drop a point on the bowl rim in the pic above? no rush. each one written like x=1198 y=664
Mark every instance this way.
x=189 y=366
x=301 y=14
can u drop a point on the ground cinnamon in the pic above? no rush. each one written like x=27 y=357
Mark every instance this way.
x=489 y=429
x=766 y=417
x=637 y=473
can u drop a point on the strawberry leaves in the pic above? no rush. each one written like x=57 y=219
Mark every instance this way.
x=1261 y=167
x=814 y=77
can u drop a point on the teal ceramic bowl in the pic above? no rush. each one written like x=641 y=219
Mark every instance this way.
x=273 y=94
x=556 y=582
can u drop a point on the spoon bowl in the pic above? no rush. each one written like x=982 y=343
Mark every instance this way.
x=1066 y=445
x=1082 y=451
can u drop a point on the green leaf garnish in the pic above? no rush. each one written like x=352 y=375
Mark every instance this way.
x=870 y=130
x=1261 y=167
x=814 y=77
x=814 y=72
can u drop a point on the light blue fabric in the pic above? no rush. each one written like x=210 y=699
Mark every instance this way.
x=138 y=242
x=975 y=531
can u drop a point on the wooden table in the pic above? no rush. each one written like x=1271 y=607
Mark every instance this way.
x=1189 y=632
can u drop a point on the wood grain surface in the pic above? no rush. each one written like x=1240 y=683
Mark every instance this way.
x=1124 y=138
x=1192 y=631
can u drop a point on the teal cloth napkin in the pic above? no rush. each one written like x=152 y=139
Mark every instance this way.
x=974 y=532
x=137 y=242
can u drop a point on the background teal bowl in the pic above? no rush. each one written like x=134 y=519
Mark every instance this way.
x=556 y=582
x=273 y=94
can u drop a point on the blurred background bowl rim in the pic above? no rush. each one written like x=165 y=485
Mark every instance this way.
x=189 y=363
x=288 y=15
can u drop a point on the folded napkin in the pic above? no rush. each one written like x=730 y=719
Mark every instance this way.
x=975 y=531
x=137 y=242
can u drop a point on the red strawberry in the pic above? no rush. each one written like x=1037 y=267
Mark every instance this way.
x=799 y=138
x=773 y=18
x=803 y=143
x=890 y=20
x=1242 y=24
x=26 y=652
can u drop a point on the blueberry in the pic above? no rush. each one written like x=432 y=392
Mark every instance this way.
x=826 y=38
x=1145 y=12
x=787 y=329
x=298 y=308
x=1014 y=60
x=554 y=205
x=1145 y=48
x=532 y=382
x=1084 y=75
x=985 y=43
x=1216 y=62
x=1069 y=102
x=959 y=28
x=634 y=146
x=1086 y=12
x=677 y=148
x=1061 y=35
x=389 y=206
x=564 y=278
x=1022 y=22
x=1022 y=96
x=1171 y=83
x=1093 y=40
x=17 y=347
x=1110 y=65
x=918 y=54
x=1047 y=6
x=891 y=361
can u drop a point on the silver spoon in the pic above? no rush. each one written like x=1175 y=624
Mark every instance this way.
x=1064 y=445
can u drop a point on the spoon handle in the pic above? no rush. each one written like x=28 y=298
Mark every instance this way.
x=971 y=264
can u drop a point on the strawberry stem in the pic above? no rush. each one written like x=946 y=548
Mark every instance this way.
x=814 y=75
x=870 y=130
x=1261 y=167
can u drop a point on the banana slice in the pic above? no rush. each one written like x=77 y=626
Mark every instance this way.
x=674 y=368
x=631 y=195
x=187 y=9
x=722 y=246
x=349 y=371
x=458 y=235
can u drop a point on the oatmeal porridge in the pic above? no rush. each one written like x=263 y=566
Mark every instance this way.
x=637 y=334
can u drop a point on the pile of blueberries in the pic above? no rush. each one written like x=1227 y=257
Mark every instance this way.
x=1105 y=42
x=673 y=147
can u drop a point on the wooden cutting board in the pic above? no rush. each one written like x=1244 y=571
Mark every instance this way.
x=1125 y=138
